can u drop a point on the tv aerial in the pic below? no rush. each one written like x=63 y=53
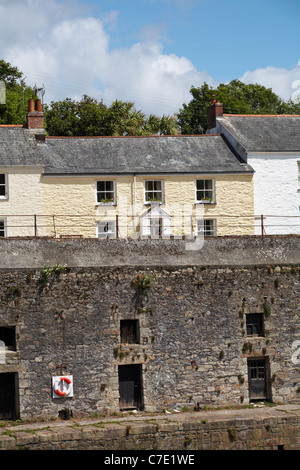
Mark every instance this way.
x=40 y=91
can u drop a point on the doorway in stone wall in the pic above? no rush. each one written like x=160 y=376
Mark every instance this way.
x=8 y=396
x=130 y=387
x=258 y=379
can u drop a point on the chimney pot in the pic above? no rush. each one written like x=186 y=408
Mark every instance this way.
x=38 y=106
x=35 y=115
x=30 y=105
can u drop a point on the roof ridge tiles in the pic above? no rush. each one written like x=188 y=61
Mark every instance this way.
x=12 y=125
x=261 y=115
x=127 y=136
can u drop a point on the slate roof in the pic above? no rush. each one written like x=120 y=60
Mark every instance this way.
x=256 y=133
x=141 y=155
x=18 y=147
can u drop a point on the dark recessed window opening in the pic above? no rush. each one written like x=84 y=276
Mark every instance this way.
x=255 y=325
x=8 y=336
x=129 y=331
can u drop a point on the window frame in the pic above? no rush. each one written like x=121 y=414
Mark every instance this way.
x=206 y=233
x=156 y=201
x=110 y=233
x=211 y=200
x=102 y=201
x=5 y=184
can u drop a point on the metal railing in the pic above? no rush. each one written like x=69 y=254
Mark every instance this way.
x=128 y=226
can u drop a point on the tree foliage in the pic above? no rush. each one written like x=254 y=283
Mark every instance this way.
x=17 y=94
x=90 y=117
x=237 y=98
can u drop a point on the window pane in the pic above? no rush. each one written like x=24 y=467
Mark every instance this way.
x=149 y=185
x=100 y=185
x=208 y=184
x=2 y=179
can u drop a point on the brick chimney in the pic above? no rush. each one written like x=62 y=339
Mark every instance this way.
x=35 y=115
x=215 y=110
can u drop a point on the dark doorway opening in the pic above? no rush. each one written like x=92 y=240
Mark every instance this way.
x=131 y=387
x=8 y=396
x=258 y=378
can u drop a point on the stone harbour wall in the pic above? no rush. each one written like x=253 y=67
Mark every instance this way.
x=165 y=439
x=193 y=348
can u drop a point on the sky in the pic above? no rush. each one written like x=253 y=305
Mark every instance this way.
x=150 y=52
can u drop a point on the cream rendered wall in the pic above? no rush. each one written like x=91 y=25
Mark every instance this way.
x=71 y=208
x=24 y=200
x=233 y=209
x=70 y=204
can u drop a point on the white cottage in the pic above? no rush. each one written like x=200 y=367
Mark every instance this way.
x=271 y=145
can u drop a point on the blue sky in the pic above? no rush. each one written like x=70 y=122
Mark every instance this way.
x=151 y=51
x=224 y=37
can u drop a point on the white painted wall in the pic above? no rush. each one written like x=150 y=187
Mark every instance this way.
x=276 y=192
x=23 y=200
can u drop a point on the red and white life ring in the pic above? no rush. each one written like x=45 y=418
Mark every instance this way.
x=65 y=391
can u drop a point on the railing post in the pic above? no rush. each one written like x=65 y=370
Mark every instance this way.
x=35 y=226
x=117 y=226
x=262 y=225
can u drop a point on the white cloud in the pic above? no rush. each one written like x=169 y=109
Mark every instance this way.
x=70 y=54
x=282 y=81
x=159 y=83
x=62 y=46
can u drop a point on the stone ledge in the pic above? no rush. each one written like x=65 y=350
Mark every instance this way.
x=35 y=253
x=185 y=432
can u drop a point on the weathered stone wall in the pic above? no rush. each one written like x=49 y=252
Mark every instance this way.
x=164 y=441
x=193 y=344
x=223 y=251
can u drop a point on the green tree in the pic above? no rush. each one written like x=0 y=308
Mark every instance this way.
x=17 y=94
x=237 y=98
x=61 y=118
x=9 y=74
x=192 y=118
x=89 y=117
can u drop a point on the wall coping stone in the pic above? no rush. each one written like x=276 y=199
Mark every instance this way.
x=35 y=253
